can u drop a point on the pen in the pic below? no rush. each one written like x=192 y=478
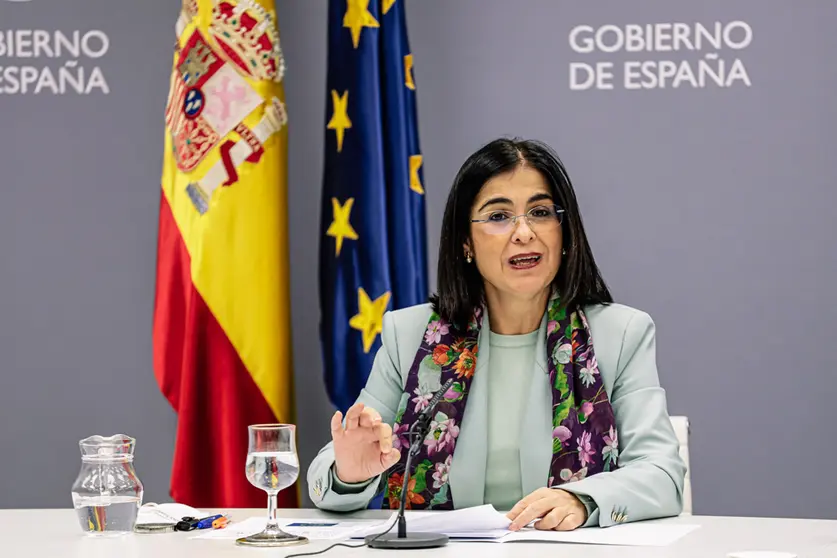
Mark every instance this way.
x=206 y=522
x=191 y=523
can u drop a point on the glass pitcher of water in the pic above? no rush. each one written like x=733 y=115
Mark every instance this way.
x=107 y=493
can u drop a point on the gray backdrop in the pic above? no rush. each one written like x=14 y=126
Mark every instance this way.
x=709 y=207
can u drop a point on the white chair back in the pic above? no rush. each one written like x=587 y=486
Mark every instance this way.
x=681 y=429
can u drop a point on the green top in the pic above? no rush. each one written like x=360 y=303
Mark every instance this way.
x=509 y=380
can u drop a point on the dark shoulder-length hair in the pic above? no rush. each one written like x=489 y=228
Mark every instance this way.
x=460 y=287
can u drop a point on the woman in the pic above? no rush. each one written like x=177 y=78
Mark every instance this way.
x=556 y=413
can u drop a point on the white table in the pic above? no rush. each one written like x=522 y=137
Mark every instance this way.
x=55 y=533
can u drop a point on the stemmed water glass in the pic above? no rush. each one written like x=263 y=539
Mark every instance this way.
x=272 y=465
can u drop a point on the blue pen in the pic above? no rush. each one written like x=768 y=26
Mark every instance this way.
x=206 y=522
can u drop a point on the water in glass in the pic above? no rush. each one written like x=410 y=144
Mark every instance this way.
x=272 y=465
x=272 y=470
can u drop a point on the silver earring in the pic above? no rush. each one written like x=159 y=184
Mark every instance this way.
x=468 y=257
x=564 y=252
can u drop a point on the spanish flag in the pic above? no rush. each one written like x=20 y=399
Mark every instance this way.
x=222 y=352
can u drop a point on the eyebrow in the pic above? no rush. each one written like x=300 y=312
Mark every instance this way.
x=537 y=197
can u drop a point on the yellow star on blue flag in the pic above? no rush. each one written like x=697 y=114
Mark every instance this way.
x=372 y=246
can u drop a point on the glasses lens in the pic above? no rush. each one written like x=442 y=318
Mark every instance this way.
x=545 y=214
x=497 y=222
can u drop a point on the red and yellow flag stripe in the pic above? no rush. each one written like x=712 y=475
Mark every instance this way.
x=222 y=345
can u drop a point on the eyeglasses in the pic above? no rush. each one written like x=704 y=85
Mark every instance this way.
x=540 y=217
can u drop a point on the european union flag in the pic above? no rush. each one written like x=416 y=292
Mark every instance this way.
x=373 y=245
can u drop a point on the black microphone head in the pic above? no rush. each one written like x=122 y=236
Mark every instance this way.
x=438 y=395
x=422 y=423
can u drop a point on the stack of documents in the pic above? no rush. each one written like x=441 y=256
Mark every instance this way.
x=484 y=523
x=477 y=524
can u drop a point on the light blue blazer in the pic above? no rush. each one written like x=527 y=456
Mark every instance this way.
x=649 y=481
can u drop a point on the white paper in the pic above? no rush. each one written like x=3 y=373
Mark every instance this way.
x=313 y=529
x=342 y=530
x=468 y=522
x=166 y=513
x=628 y=534
x=491 y=534
x=487 y=524
x=233 y=530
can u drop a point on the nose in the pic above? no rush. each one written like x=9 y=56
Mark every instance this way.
x=522 y=232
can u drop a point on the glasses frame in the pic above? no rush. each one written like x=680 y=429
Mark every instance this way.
x=559 y=211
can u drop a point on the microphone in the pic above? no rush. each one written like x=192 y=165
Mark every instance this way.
x=402 y=540
x=426 y=414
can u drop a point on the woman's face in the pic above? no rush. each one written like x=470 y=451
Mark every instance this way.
x=519 y=259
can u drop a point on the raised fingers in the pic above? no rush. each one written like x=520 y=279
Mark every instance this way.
x=353 y=416
x=384 y=436
x=336 y=424
x=369 y=417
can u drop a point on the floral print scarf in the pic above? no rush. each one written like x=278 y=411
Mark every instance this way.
x=584 y=438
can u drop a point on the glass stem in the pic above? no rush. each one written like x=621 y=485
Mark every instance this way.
x=272 y=519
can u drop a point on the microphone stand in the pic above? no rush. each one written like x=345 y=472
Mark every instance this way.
x=403 y=540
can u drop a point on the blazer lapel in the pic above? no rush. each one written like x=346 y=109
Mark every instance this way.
x=467 y=472
x=536 y=426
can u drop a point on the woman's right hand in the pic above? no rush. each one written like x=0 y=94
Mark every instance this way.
x=363 y=449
